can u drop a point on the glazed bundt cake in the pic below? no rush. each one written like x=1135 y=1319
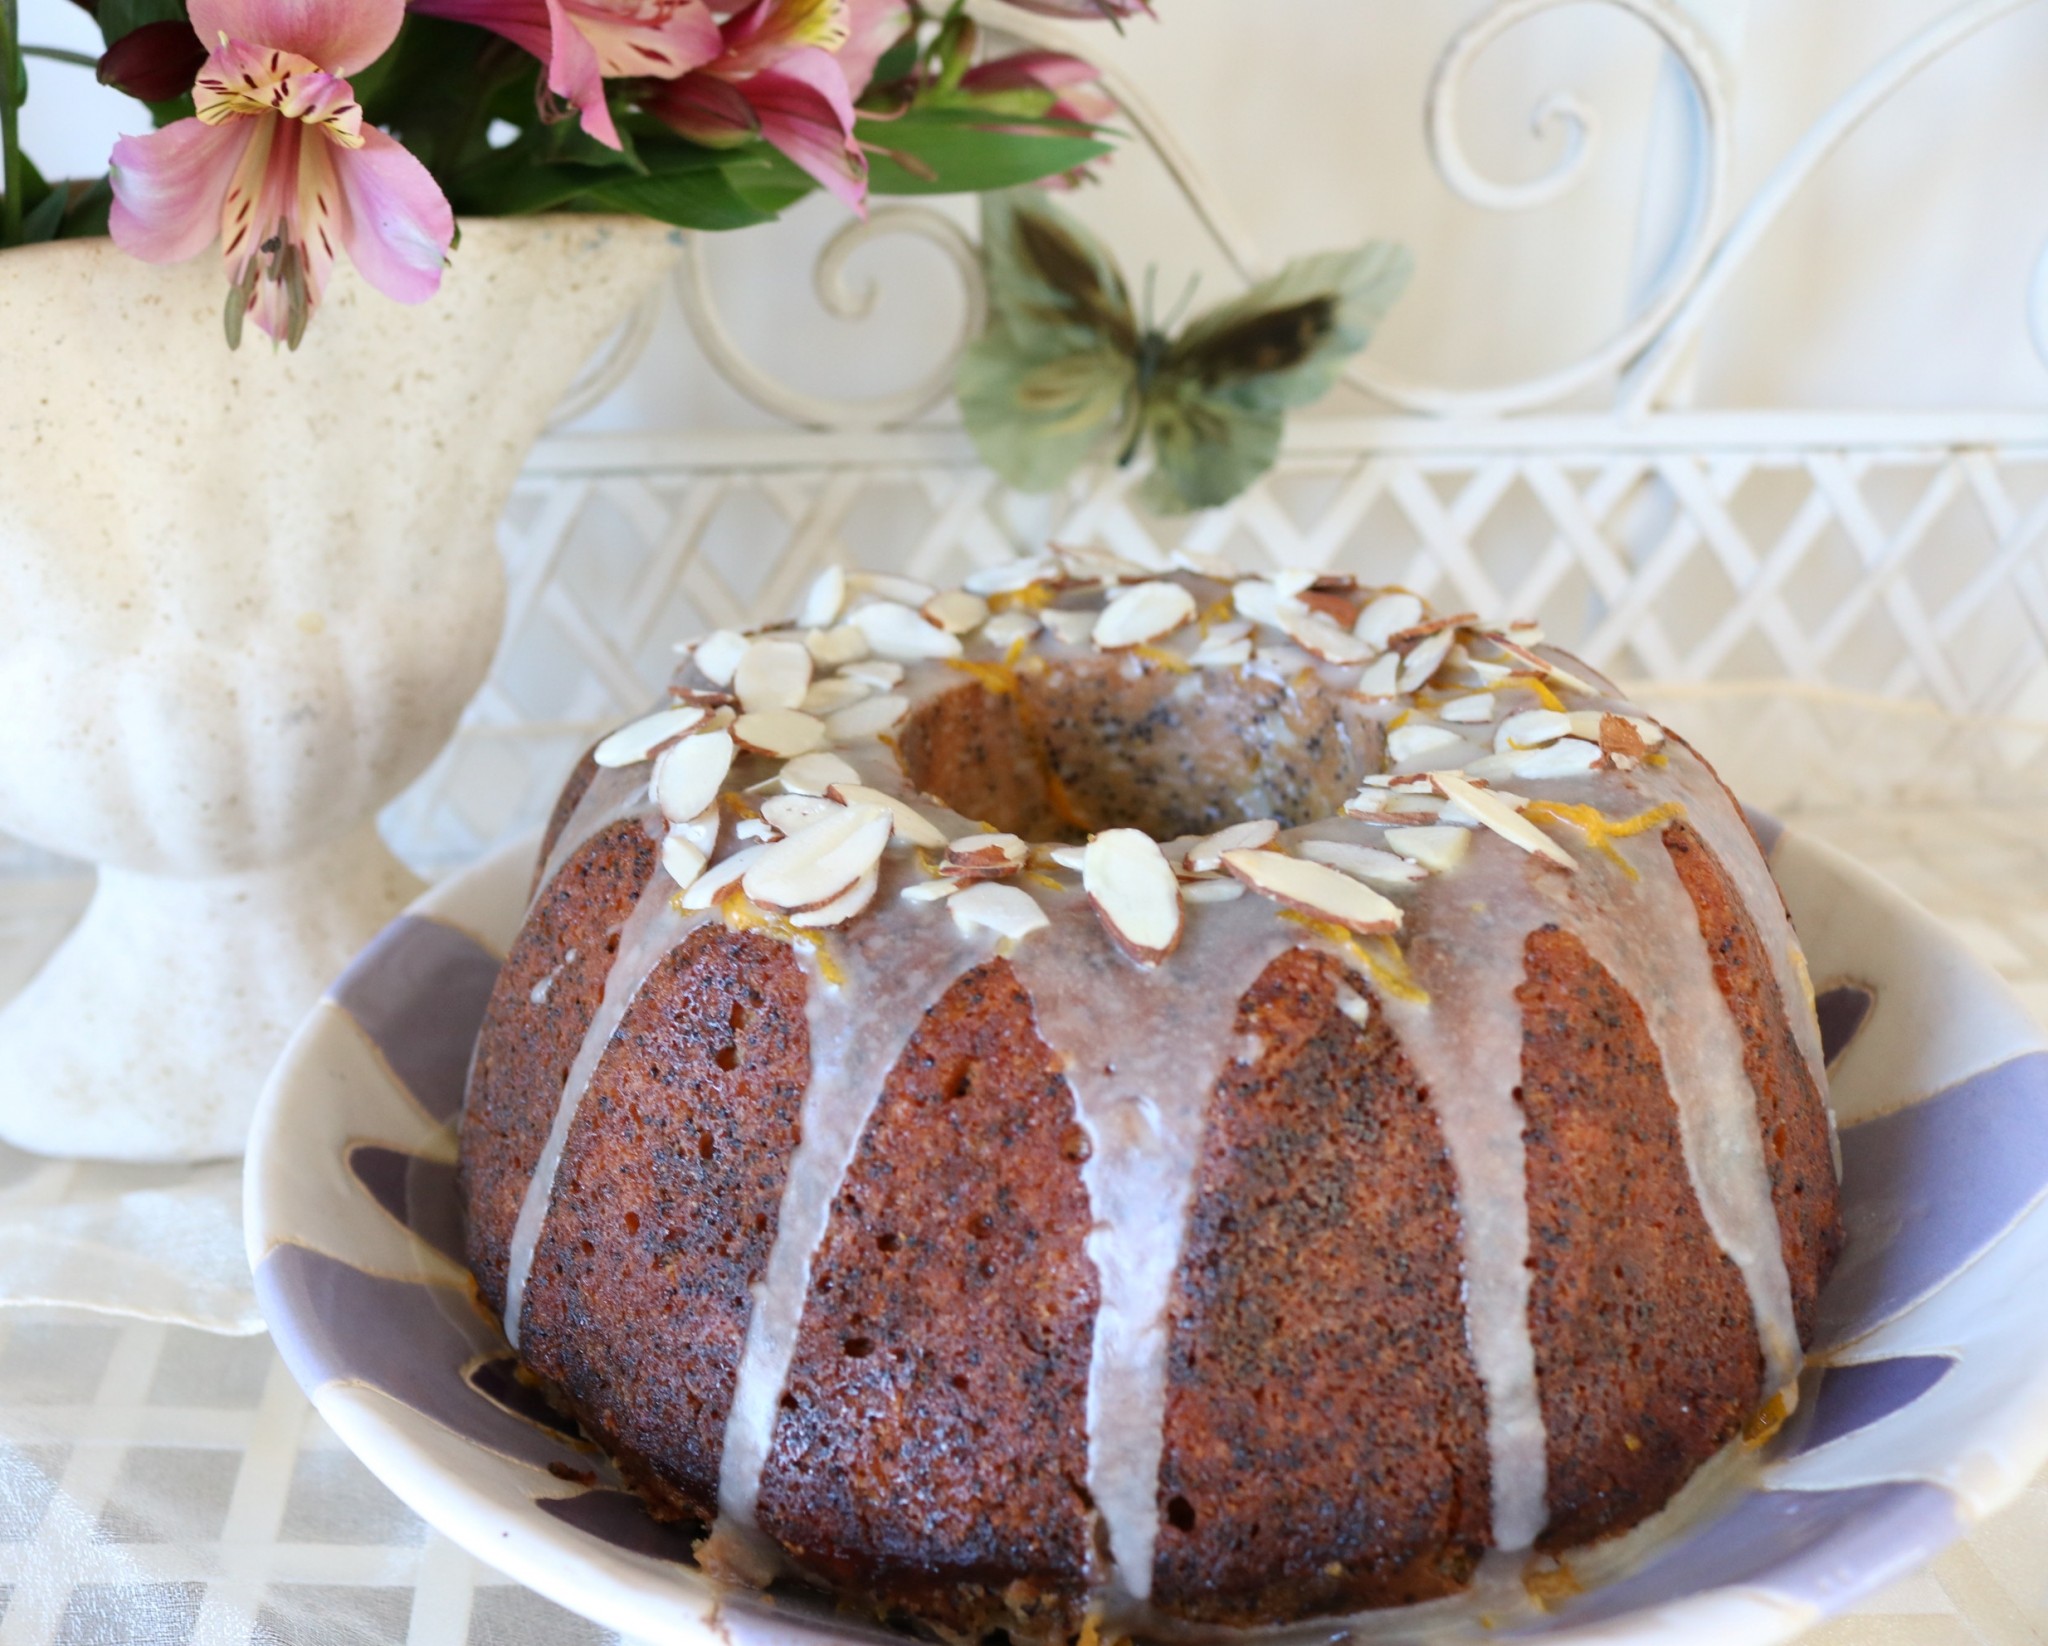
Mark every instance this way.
x=1109 y=1100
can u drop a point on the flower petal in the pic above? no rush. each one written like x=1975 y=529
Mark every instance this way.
x=767 y=31
x=340 y=35
x=806 y=111
x=873 y=27
x=626 y=46
x=398 y=226
x=168 y=187
x=706 y=110
x=575 y=75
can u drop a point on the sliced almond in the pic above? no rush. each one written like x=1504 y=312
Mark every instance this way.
x=902 y=633
x=1006 y=628
x=1008 y=576
x=1354 y=1005
x=1422 y=659
x=1072 y=628
x=716 y=880
x=835 y=692
x=790 y=812
x=773 y=674
x=1386 y=616
x=1133 y=889
x=1567 y=757
x=956 y=611
x=824 y=600
x=905 y=591
x=1211 y=891
x=1337 y=605
x=1502 y=818
x=688 y=777
x=1315 y=889
x=1365 y=862
x=1493 y=768
x=821 y=861
x=1530 y=729
x=1097 y=565
x=1143 y=612
x=843 y=907
x=1418 y=740
x=701 y=831
x=783 y=733
x=1262 y=602
x=1205 y=855
x=1066 y=857
x=985 y=857
x=756 y=828
x=1381 y=677
x=682 y=860
x=1439 y=848
x=813 y=774
x=718 y=654
x=930 y=891
x=860 y=721
x=1375 y=806
x=834 y=647
x=911 y=827
x=1321 y=637
x=1008 y=911
x=630 y=745
x=1205 y=565
x=1474 y=710
x=1221 y=654
x=877 y=672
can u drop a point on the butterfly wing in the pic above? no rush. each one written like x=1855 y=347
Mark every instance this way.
x=1206 y=448
x=1283 y=342
x=1050 y=381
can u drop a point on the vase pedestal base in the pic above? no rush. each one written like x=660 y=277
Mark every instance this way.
x=150 y=1032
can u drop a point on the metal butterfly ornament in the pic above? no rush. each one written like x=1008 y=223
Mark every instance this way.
x=1067 y=372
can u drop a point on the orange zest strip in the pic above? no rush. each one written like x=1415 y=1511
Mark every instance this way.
x=1601 y=831
x=1171 y=661
x=999 y=678
x=1380 y=956
x=742 y=914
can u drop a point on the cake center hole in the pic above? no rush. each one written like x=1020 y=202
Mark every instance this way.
x=1122 y=742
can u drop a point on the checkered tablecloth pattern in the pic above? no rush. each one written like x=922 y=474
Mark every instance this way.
x=160 y=1485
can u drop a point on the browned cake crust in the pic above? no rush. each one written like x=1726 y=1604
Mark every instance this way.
x=1325 y=1430
x=526 y=1045
x=952 y=1306
x=1790 y=1110
x=671 y=1179
x=1647 y=1358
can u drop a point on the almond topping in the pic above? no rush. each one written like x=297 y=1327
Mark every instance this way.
x=718 y=654
x=1440 y=848
x=1008 y=911
x=1262 y=602
x=1133 y=889
x=821 y=861
x=682 y=860
x=1205 y=856
x=1502 y=818
x=1386 y=617
x=1531 y=729
x=909 y=826
x=985 y=857
x=1568 y=757
x=1005 y=629
x=790 y=812
x=1315 y=889
x=930 y=891
x=1221 y=654
x=773 y=674
x=876 y=672
x=1318 y=635
x=825 y=599
x=1008 y=576
x=1142 y=612
x=688 y=777
x=956 y=611
x=902 y=634
x=1211 y=891
x=833 y=693
x=1422 y=741
x=860 y=721
x=1423 y=658
x=841 y=908
x=783 y=733
x=1365 y=862
x=630 y=745
x=1469 y=711
x=836 y=646
x=714 y=881
x=700 y=831
x=907 y=591
x=1074 y=628
x=813 y=774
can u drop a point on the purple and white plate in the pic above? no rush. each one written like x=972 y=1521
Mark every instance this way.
x=1931 y=1411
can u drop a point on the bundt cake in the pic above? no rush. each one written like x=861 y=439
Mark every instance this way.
x=1108 y=1100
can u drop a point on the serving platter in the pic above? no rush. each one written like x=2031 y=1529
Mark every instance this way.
x=1925 y=1409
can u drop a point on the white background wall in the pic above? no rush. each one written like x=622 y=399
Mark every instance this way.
x=1900 y=278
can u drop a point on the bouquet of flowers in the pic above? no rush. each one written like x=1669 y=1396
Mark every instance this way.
x=294 y=131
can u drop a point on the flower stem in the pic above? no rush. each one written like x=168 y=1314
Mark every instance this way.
x=57 y=54
x=10 y=146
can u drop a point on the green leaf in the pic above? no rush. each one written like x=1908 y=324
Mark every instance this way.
x=952 y=154
x=44 y=218
x=86 y=216
x=688 y=199
x=120 y=17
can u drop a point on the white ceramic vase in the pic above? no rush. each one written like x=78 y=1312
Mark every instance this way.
x=243 y=600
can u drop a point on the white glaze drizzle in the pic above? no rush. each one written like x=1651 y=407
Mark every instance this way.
x=613 y=794
x=1142 y=1050
x=650 y=932
x=897 y=964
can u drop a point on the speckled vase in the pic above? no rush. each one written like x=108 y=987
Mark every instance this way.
x=243 y=600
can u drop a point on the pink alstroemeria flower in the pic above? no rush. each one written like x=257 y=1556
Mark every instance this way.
x=1075 y=87
x=586 y=42
x=280 y=165
x=789 y=72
